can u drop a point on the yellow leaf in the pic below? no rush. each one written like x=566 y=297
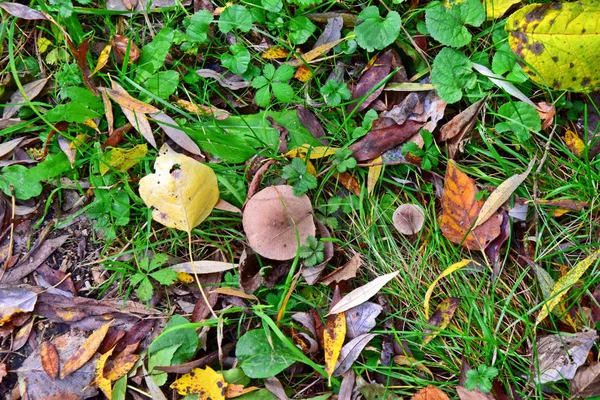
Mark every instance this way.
x=206 y=383
x=90 y=123
x=406 y=361
x=333 y=340
x=122 y=160
x=102 y=60
x=564 y=284
x=204 y=111
x=234 y=390
x=448 y=271
x=312 y=152
x=120 y=366
x=374 y=174
x=574 y=143
x=43 y=45
x=184 y=277
x=85 y=352
x=103 y=383
x=553 y=40
x=183 y=191
x=441 y=318
x=303 y=73
x=314 y=53
x=275 y=52
x=496 y=8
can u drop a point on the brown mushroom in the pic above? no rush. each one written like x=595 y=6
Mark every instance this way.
x=408 y=219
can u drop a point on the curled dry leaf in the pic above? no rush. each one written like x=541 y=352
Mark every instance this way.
x=456 y=130
x=182 y=192
x=85 y=352
x=271 y=218
x=122 y=47
x=408 y=219
x=345 y=272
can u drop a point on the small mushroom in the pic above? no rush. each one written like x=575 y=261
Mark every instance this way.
x=408 y=219
x=270 y=220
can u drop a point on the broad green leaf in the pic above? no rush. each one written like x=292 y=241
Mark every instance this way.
x=521 y=118
x=177 y=334
x=283 y=73
x=301 y=29
x=160 y=358
x=564 y=284
x=165 y=276
x=446 y=23
x=374 y=32
x=282 y=92
x=272 y=5
x=235 y=17
x=554 y=41
x=505 y=61
x=163 y=84
x=145 y=290
x=237 y=62
x=496 y=8
x=154 y=55
x=261 y=356
x=452 y=71
x=199 y=25
x=72 y=112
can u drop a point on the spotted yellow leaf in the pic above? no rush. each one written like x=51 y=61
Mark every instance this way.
x=206 y=383
x=274 y=53
x=574 y=143
x=121 y=159
x=447 y=271
x=303 y=73
x=554 y=41
x=333 y=340
x=496 y=8
x=313 y=153
x=102 y=382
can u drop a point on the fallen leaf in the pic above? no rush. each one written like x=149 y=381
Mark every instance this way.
x=361 y=319
x=502 y=83
x=378 y=141
x=408 y=219
x=7 y=147
x=103 y=383
x=574 y=143
x=203 y=267
x=447 y=271
x=121 y=45
x=204 y=111
x=312 y=152
x=172 y=130
x=49 y=359
x=85 y=352
x=318 y=51
x=465 y=394
x=234 y=390
x=412 y=362
x=362 y=294
x=15 y=301
x=349 y=182
x=274 y=386
x=182 y=191
x=345 y=272
x=201 y=309
x=347 y=386
x=81 y=53
x=376 y=71
x=564 y=284
x=22 y=11
x=275 y=53
x=102 y=60
x=3 y=371
x=20 y=339
x=230 y=291
x=312 y=124
x=586 y=382
x=374 y=174
x=546 y=112
x=125 y=100
x=333 y=337
x=303 y=73
x=229 y=83
x=120 y=366
x=17 y=100
x=441 y=318
x=496 y=8
x=377 y=391
x=430 y=393
x=206 y=383
x=559 y=356
x=121 y=159
x=460 y=210
x=501 y=195
x=456 y=130
x=271 y=218
x=548 y=38
x=492 y=252
x=350 y=352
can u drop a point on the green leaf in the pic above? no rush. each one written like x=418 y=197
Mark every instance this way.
x=199 y=26
x=183 y=336
x=235 y=17
x=334 y=92
x=296 y=173
x=521 y=118
x=144 y=290
x=163 y=84
x=452 y=71
x=446 y=24
x=258 y=359
x=71 y=112
x=283 y=73
x=262 y=97
x=505 y=61
x=272 y=5
x=301 y=29
x=238 y=62
x=157 y=261
x=283 y=92
x=165 y=276
x=343 y=161
x=161 y=358
x=65 y=7
x=154 y=55
x=374 y=32
x=313 y=252
x=259 y=82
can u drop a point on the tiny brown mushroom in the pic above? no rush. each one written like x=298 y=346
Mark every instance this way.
x=408 y=219
x=269 y=218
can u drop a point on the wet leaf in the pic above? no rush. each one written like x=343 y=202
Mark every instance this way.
x=30 y=91
x=85 y=352
x=345 y=272
x=350 y=352
x=49 y=360
x=376 y=72
x=551 y=38
x=408 y=219
x=206 y=383
x=441 y=318
x=333 y=337
x=271 y=218
x=15 y=301
x=574 y=143
x=502 y=194
x=564 y=284
x=378 y=141
x=102 y=382
x=362 y=294
x=121 y=159
x=430 y=393
x=586 y=382
x=447 y=271
x=460 y=210
x=182 y=191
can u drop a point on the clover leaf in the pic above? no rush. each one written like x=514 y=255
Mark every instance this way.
x=374 y=32
x=235 y=16
x=334 y=92
x=446 y=24
x=452 y=71
x=273 y=82
x=520 y=119
x=238 y=62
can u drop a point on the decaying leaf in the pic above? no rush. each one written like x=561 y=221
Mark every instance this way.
x=456 y=130
x=203 y=267
x=271 y=218
x=101 y=381
x=121 y=44
x=551 y=38
x=204 y=111
x=15 y=301
x=430 y=393
x=121 y=159
x=378 y=141
x=447 y=271
x=182 y=191
x=408 y=219
x=564 y=284
x=440 y=318
x=22 y=11
x=362 y=294
x=120 y=366
x=333 y=337
x=49 y=360
x=559 y=356
x=85 y=352
x=586 y=382
x=501 y=194
x=206 y=383
x=460 y=210
x=30 y=91
x=275 y=53
x=361 y=319
x=345 y=272
x=350 y=352
x=574 y=143
x=377 y=70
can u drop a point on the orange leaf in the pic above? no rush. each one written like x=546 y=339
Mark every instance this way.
x=430 y=393
x=333 y=338
x=546 y=112
x=101 y=381
x=234 y=390
x=349 y=182
x=303 y=74
x=49 y=358
x=275 y=52
x=460 y=210
x=120 y=366
x=85 y=352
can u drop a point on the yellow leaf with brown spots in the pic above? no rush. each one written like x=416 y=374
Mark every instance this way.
x=120 y=366
x=206 y=383
x=556 y=42
x=303 y=73
x=333 y=338
x=102 y=382
x=574 y=143
x=441 y=318
x=275 y=52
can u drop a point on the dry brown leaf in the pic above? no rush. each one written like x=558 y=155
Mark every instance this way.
x=23 y=12
x=546 y=112
x=460 y=210
x=30 y=90
x=141 y=124
x=456 y=130
x=312 y=124
x=465 y=394
x=345 y=272
x=81 y=57
x=22 y=335
x=375 y=72
x=430 y=393
x=120 y=45
x=234 y=390
x=229 y=291
x=378 y=141
x=124 y=99
x=85 y=352
x=586 y=382
x=49 y=358
x=349 y=182
x=271 y=218
x=333 y=337
x=408 y=219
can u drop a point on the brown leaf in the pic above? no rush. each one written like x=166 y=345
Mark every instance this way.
x=34 y=260
x=271 y=218
x=430 y=393
x=586 y=382
x=31 y=91
x=349 y=182
x=408 y=219
x=460 y=210
x=312 y=124
x=120 y=366
x=172 y=130
x=81 y=57
x=124 y=99
x=121 y=43
x=22 y=336
x=85 y=352
x=21 y=11
x=456 y=131
x=351 y=351
x=440 y=318
x=493 y=250
x=201 y=310
x=345 y=272
x=546 y=112
x=15 y=301
x=376 y=71
x=377 y=141
x=257 y=178
x=465 y=394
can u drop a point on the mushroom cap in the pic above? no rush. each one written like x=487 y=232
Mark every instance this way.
x=269 y=218
x=408 y=219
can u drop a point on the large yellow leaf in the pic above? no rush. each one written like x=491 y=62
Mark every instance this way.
x=558 y=42
x=183 y=191
x=496 y=8
x=333 y=340
x=206 y=383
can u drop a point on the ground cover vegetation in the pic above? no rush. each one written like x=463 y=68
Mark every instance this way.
x=273 y=199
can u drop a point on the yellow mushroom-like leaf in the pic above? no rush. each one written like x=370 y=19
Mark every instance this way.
x=555 y=41
x=182 y=191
